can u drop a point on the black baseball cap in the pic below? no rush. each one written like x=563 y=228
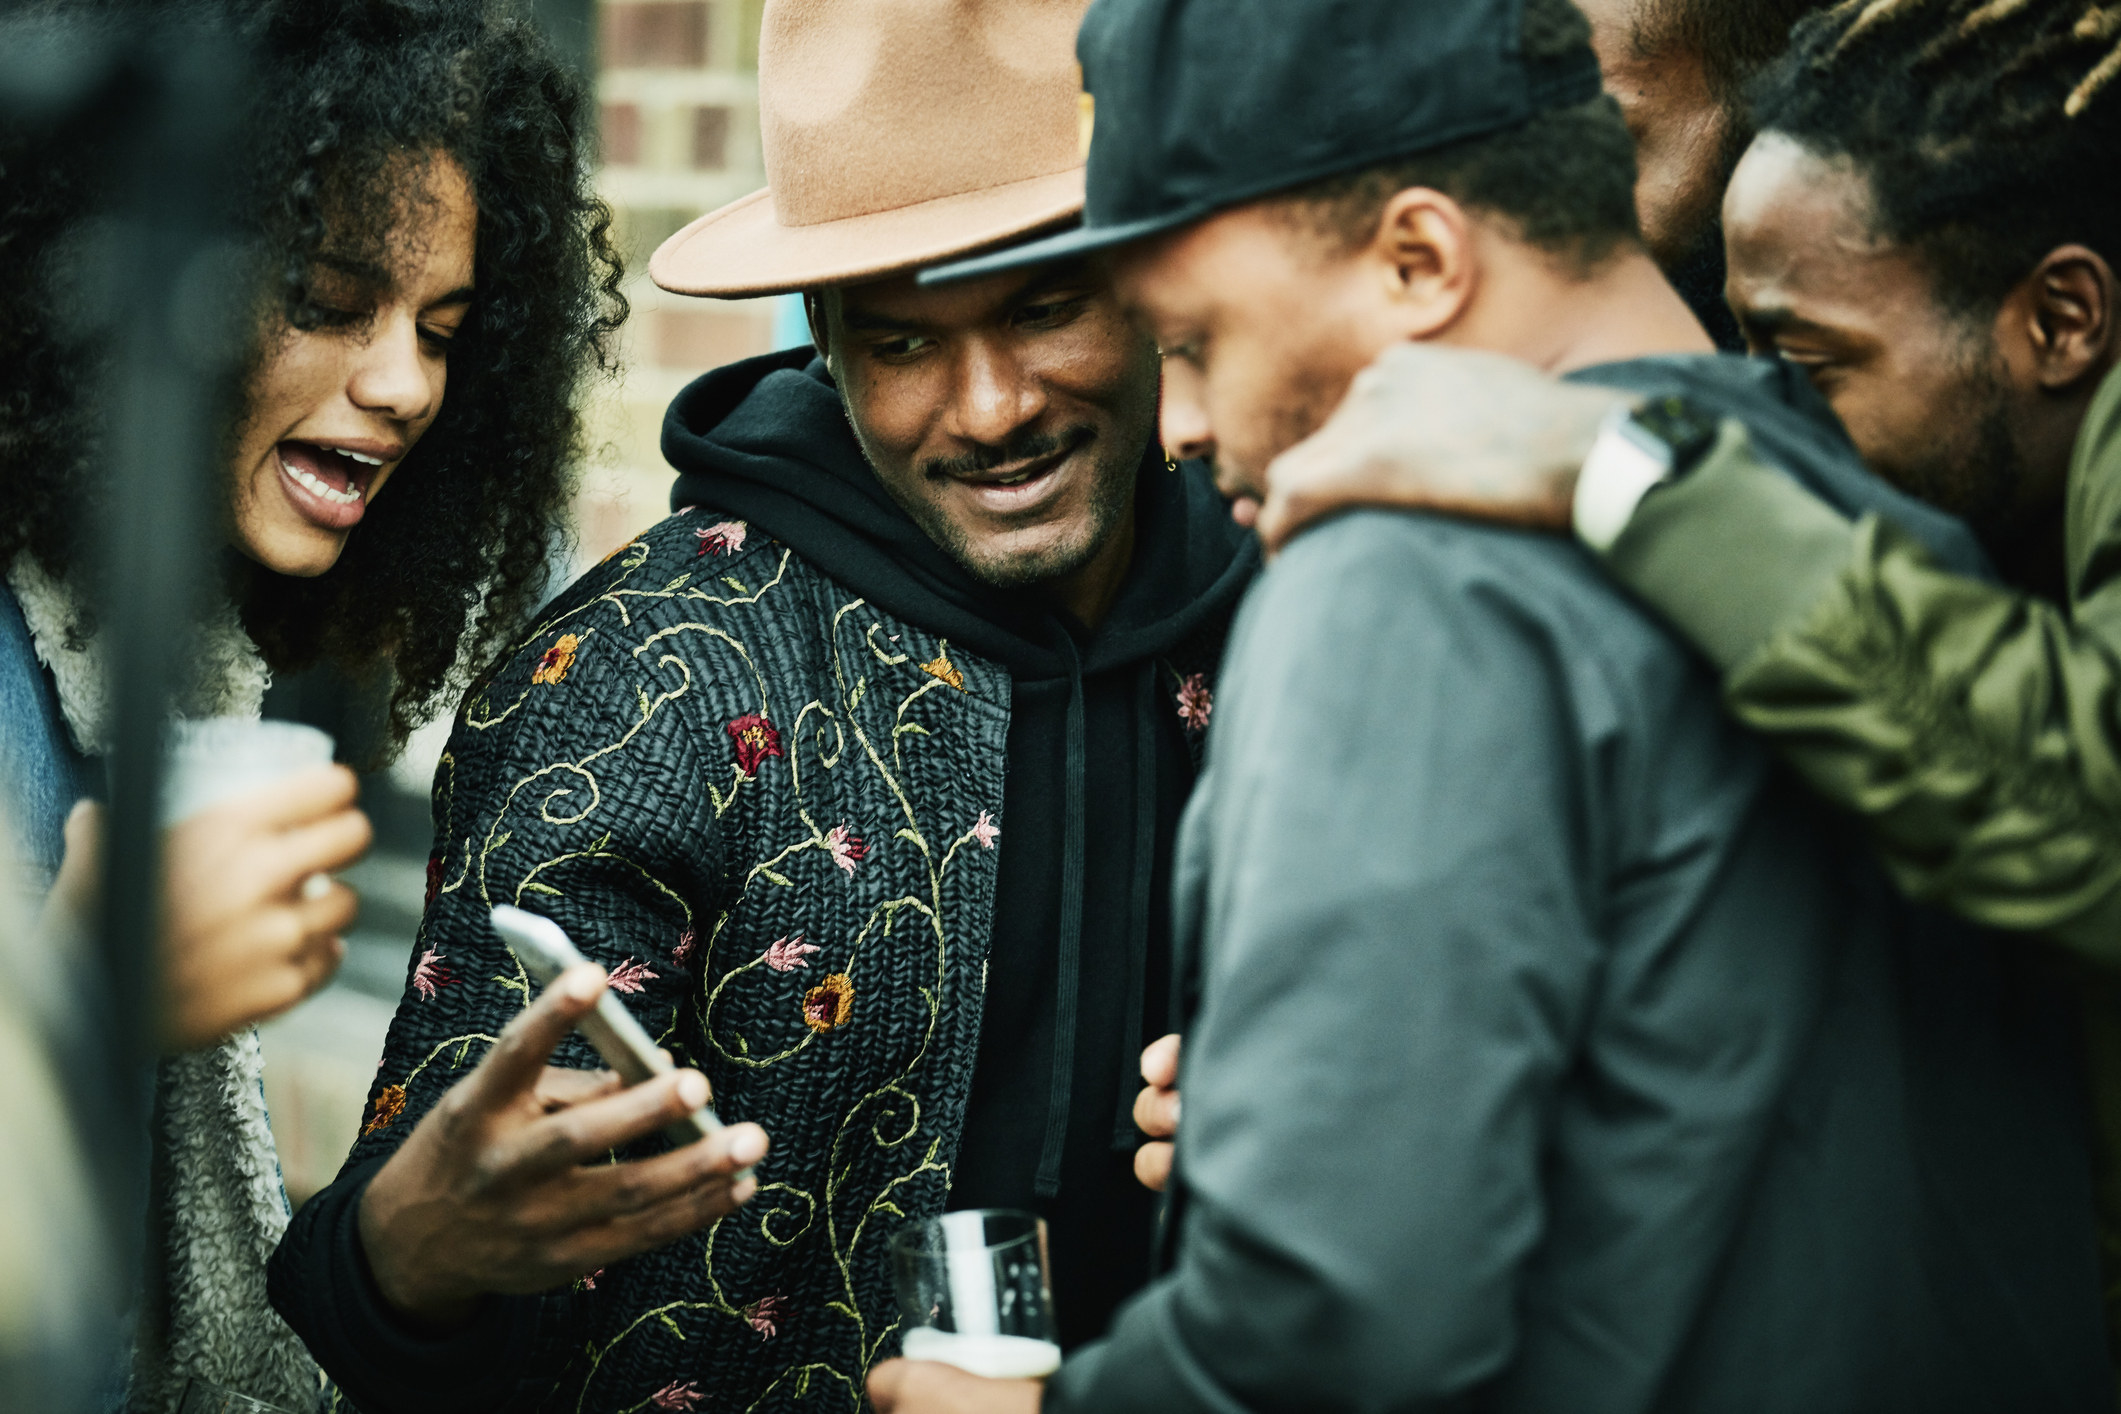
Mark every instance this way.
x=1194 y=106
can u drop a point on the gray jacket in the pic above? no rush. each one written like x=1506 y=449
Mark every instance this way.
x=1555 y=1053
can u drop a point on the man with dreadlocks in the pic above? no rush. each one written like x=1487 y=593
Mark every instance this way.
x=1915 y=228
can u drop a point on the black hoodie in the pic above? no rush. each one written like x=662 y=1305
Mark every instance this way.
x=1101 y=761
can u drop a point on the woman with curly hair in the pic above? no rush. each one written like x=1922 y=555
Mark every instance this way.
x=434 y=285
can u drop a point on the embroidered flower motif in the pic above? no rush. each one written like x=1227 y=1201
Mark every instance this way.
x=677 y=1396
x=723 y=538
x=765 y=1315
x=434 y=879
x=787 y=954
x=827 y=1005
x=846 y=846
x=630 y=976
x=942 y=668
x=755 y=740
x=1195 y=701
x=390 y=1103
x=430 y=976
x=986 y=831
x=688 y=944
x=557 y=660
x=589 y=1282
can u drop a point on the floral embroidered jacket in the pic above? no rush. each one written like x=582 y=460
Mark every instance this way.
x=773 y=811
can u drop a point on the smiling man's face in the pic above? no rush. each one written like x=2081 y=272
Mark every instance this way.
x=1008 y=415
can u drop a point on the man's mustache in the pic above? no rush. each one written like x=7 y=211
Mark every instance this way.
x=1028 y=446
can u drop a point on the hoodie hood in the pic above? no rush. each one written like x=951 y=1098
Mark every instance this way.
x=768 y=440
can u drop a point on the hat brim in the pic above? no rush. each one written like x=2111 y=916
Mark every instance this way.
x=744 y=250
x=1063 y=245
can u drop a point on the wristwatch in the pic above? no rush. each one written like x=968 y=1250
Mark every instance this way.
x=1637 y=450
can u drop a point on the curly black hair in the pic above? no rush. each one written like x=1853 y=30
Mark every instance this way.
x=1986 y=128
x=348 y=96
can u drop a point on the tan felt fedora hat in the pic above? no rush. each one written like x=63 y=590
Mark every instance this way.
x=897 y=133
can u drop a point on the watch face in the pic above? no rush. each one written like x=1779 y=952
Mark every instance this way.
x=1685 y=429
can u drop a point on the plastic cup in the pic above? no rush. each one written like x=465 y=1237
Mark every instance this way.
x=218 y=758
x=974 y=1293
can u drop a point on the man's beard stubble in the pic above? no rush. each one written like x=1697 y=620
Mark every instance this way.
x=1111 y=495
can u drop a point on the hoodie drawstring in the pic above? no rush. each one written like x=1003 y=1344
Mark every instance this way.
x=1071 y=934
x=1124 y=1135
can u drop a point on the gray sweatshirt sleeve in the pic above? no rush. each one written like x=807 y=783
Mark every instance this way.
x=1387 y=862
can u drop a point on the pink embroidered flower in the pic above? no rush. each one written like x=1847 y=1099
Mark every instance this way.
x=630 y=976
x=787 y=954
x=755 y=740
x=1195 y=701
x=430 y=976
x=688 y=944
x=986 y=831
x=846 y=846
x=589 y=1282
x=765 y=1315
x=827 y=1006
x=677 y=1396
x=722 y=538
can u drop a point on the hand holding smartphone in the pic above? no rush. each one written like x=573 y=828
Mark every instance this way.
x=545 y=951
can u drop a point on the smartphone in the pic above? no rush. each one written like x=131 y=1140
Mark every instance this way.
x=546 y=951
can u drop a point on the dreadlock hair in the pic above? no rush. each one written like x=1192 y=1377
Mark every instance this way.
x=348 y=101
x=1565 y=179
x=1987 y=128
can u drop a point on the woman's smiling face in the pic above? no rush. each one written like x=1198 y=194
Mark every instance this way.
x=333 y=410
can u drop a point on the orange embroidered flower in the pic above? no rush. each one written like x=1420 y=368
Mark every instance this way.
x=389 y=1105
x=828 y=1005
x=943 y=669
x=557 y=660
x=755 y=740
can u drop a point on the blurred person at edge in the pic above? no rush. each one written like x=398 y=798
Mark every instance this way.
x=1657 y=1081
x=885 y=736
x=433 y=286
x=1912 y=231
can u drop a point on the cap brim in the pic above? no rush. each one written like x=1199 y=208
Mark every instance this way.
x=1063 y=245
x=743 y=249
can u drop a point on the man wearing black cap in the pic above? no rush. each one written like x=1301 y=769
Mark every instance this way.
x=1551 y=1052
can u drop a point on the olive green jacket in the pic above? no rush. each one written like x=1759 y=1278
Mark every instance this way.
x=1975 y=729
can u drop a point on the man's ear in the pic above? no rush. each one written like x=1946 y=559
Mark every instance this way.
x=2066 y=306
x=1423 y=249
x=814 y=312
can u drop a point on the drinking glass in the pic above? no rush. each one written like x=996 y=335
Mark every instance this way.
x=217 y=758
x=202 y=1397
x=972 y=1287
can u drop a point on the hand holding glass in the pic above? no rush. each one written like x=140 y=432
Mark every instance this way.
x=973 y=1290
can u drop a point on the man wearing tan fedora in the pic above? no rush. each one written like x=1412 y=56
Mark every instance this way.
x=858 y=777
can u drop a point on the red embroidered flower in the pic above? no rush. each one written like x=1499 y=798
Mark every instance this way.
x=434 y=879
x=986 y=831
x=688 y=944
x=1195 y=701
x=390 y=1103
x=430 y=976
x=557 y=660
x=677 y=1396
x=787 y=954
x=723 y=538
x=630 y=976
x=765 y=1315
x=827 y=1005
x=755 y=740
x=846 y=846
